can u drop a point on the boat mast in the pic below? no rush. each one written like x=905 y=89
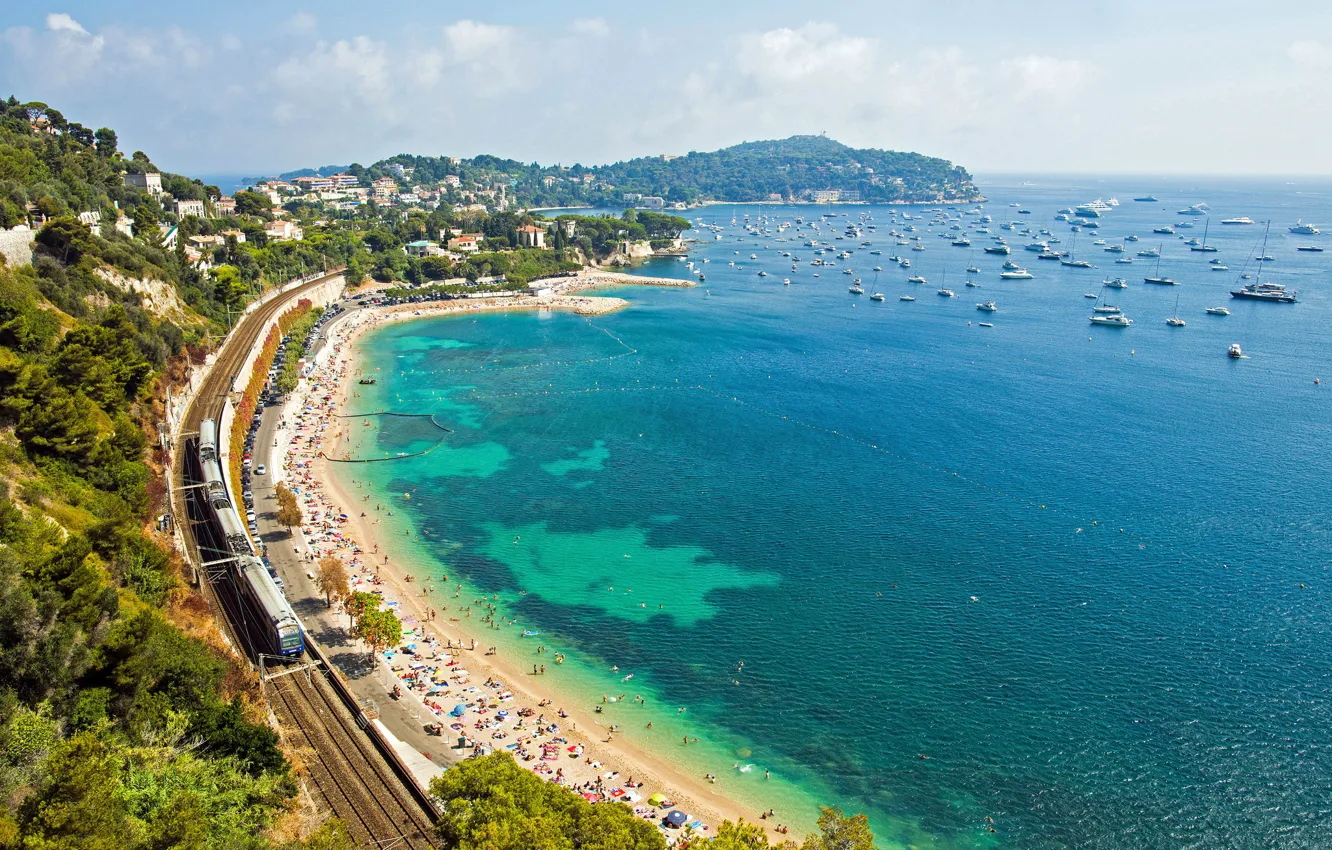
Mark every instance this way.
x=1263 y=253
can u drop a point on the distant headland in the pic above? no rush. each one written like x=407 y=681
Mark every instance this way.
x=799 y=169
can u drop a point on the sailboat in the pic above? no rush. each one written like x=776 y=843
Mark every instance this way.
x=876 y=295
x=1156 y=272
x=1099 y=307
x=1070 y=261
x=1175 y=321
x=1259 y=291
x=1204 y=247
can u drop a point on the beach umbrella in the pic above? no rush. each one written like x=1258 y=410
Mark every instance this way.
x=657 y=799
x=459 y=710
x=676 y=818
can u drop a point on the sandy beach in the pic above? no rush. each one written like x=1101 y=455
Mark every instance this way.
x=446 y=661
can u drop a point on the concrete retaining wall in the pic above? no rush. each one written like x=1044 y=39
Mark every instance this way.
x=16 y=245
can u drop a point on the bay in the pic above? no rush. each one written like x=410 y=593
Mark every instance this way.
x=1083 y=571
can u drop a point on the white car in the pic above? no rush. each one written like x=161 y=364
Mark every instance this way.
x=260 y=469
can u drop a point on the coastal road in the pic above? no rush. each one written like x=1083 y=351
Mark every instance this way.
x=346 y=775
x=403 y=719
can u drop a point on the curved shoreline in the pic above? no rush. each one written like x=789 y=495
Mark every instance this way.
x=335 y=377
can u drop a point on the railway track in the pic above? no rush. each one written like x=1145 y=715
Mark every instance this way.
x=350 y=777
x=348 y=774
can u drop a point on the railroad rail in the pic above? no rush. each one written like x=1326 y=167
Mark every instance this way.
x=353 y=774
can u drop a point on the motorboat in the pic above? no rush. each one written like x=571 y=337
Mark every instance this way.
x=986 y=324
x=1217 y=311
x=1116 y=320
x=987 y=307
x=1243 y=219
x=1115 y=283
x=1146 y=199
x=1195 y=209
x=1302 y=229
x=1016 y=274
x=1235 y=351
x=905 y=298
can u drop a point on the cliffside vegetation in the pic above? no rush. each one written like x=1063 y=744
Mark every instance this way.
x=122 y=722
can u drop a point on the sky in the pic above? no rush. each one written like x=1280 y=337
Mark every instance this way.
x=1029 y=87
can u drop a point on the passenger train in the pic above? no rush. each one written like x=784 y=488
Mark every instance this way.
x=258 y=586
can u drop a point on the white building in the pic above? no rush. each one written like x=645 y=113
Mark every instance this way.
x=150 y=182
x=188 y=207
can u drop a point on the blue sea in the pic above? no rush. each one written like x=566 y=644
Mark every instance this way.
x=1068 y=583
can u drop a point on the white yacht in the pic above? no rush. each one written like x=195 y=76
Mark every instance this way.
x=1195 y=209
x=1116 y=320
x=1093 y=209
x=947 y=293
x=1217 y=311
x=905 y=298
x=1243 y=219
x=1016 y=274
x=987 y=307
x=917 y=278
x=1303 y=229
x=1115 y=283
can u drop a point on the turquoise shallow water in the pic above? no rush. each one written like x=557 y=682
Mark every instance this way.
x=1063 y=562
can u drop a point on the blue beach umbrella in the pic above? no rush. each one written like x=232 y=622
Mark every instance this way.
x=459 y=710
x=676 y=818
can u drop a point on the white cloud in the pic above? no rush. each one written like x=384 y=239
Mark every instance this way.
x=58 y=21
x=472 y=41
x=1036 y=76
x=816 y=52
x=469 y=86
x=302 y=22
x=1309 y=54
x=591 y=27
